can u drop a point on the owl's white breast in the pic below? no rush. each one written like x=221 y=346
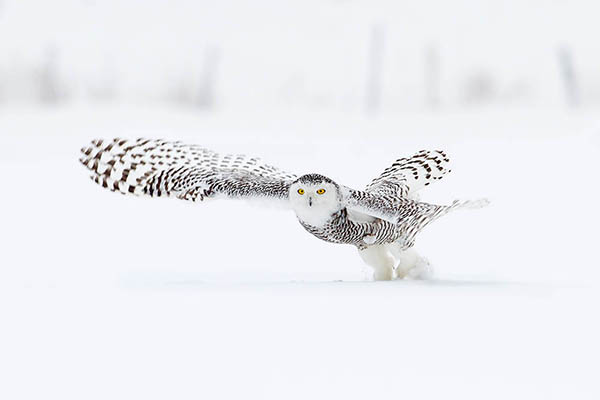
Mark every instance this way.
x=315 y=216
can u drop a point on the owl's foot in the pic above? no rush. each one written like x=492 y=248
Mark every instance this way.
x=382 y=262
x=421 y=270
x=411 y=265
x=383 y=274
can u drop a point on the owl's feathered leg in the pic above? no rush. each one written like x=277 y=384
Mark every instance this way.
x=380 y=259
x=410 y=265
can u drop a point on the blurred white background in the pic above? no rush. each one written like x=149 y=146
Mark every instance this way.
x=310 y=54
x=105 y=296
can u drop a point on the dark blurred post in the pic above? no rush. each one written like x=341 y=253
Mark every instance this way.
x=432 y=76
x=567 y=70
x=208 y=80
x=374 y=69
x=48 y=77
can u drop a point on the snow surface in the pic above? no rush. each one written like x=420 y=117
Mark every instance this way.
x=104 y=296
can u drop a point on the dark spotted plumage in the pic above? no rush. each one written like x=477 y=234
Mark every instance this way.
x=314 y=179
x=416 y=216
x=159 y=168
x=341 y=229
x=407 y=175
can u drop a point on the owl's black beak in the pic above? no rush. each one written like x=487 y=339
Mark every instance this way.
x=310 y=201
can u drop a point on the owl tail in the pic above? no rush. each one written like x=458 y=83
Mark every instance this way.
x=468 y=204
x=440 y=211
x=460 y=205
x=421 y=220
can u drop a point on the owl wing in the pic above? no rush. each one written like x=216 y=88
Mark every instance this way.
x=160 y=168
x=366 y=205
x=408 y=175
x=401 y=209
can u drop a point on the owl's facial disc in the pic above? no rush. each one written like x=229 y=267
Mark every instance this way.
x=314 y=198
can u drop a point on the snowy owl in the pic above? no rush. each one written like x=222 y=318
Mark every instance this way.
x=381 y=221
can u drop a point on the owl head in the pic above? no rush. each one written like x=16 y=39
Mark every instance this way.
x=315 y=198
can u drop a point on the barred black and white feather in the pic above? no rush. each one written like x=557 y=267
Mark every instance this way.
x=408 y=175
x=398 y=219
x=162 y=168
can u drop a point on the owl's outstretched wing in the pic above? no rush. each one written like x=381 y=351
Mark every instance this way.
x=380 y=205
x=401 y=209
x=408 y=175
x=160 y=168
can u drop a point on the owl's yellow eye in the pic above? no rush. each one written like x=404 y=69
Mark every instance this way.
x=320 y=191
x=300 y=191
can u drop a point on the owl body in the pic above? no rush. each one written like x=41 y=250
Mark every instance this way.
x=342 y=230
x=321 y=210
x=382 y=221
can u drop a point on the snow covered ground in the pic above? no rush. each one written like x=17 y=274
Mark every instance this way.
x=108 y=297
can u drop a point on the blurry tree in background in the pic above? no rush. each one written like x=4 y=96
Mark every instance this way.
x=567 y=71
x=432 y=76
x=478 y=88
x=206 y=96
x=347 y=56
x=50 y=91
